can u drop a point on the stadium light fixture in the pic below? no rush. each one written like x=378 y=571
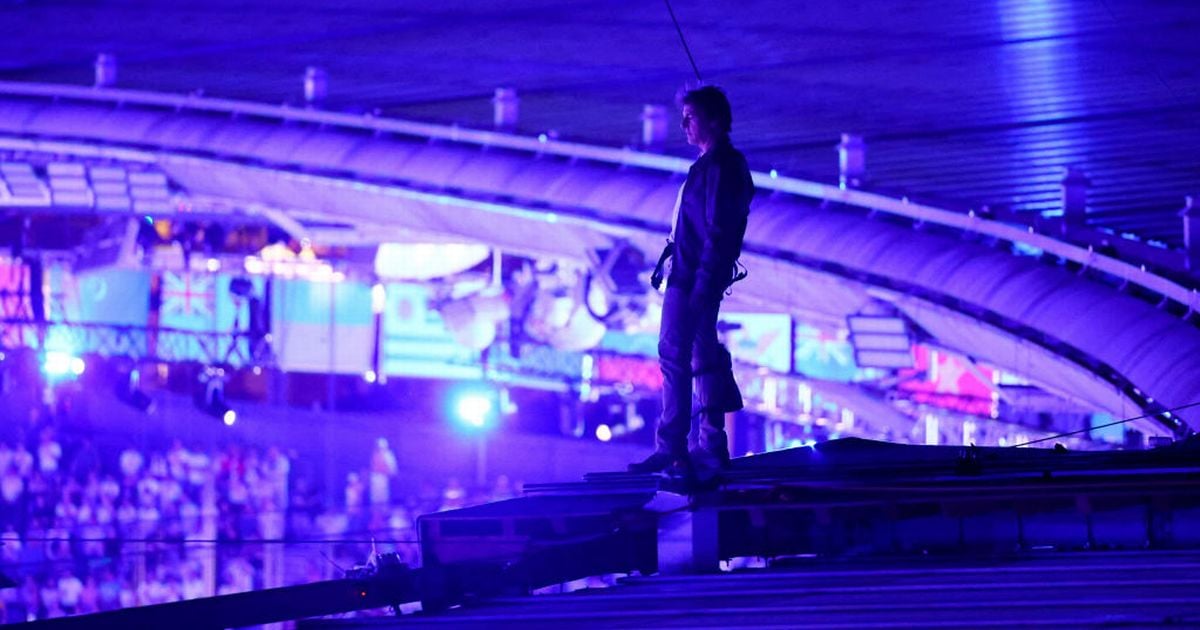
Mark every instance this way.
x=59 y=365
x=475 y=407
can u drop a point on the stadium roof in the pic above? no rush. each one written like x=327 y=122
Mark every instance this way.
x=977 y=103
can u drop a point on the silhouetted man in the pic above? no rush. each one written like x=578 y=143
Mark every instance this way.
x=707 y=233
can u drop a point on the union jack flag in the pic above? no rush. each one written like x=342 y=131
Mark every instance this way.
x=824 y=354
x=188 y=301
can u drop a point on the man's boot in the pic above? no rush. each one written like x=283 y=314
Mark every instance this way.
x=664 y=462
x=712 y=450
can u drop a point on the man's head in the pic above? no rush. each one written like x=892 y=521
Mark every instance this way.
x=706 y=115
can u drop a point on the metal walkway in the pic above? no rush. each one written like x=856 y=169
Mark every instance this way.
x=1076 y=590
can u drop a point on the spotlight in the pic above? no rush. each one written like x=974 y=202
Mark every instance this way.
x=60 y=365
x=56 y=364
x=229 y=417
x=475 y=409
x=604 y=433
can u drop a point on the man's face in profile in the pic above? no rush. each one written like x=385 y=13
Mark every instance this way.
x=698 y=129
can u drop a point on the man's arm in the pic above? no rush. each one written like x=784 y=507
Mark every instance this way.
x=725 y=211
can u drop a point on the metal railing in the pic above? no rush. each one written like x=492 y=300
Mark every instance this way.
x=233 y=348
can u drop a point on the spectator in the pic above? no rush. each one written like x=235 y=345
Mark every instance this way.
x=51 y=602
x=383 y=469
x=131 y=463
x=76 y=510
x=189 y=518
x=354 y=493
x=270 y=521
x=69 y=590
x=6 y=455
x=36 y=422
x=12 y=609
x=193 y=581
x=58 y=545
x=158 y=466
x=502 y=489
x=22 y=460
x=304 y=507
x=10 y=545
x=238 y=577
x=49 y=451
x=127 y=518
x=276 y=469
x=454 y=496
x=31 y=596
x=199 y=470
x=12 y=490
x=110 y=590
x=86 y=462
x=89 y=597
x=178 y=460
x=127 y=595
x=110 y=489
x=92 y=533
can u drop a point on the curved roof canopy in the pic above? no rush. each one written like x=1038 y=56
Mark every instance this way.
x=1064 y=329
x=975 y=102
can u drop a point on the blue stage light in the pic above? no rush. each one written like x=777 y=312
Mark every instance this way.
x=58 y=365
x=475 y=409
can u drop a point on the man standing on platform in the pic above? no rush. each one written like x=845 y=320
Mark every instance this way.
x=707 y=232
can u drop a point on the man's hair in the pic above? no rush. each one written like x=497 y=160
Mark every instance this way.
x=711 y=100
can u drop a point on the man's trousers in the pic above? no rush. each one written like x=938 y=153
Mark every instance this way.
x=688 y=348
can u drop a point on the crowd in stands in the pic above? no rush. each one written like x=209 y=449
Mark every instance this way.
x=87 y=528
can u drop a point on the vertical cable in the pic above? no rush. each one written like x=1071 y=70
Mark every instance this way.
x=684 y=42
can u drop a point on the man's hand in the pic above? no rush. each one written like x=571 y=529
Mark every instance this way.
x=705 y=291
x=661 y=269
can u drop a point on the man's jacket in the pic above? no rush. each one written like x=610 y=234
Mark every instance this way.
x=714 y=206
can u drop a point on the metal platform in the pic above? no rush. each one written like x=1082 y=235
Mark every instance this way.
x=862 y=497
x=872 y=535
x=1066 y=590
